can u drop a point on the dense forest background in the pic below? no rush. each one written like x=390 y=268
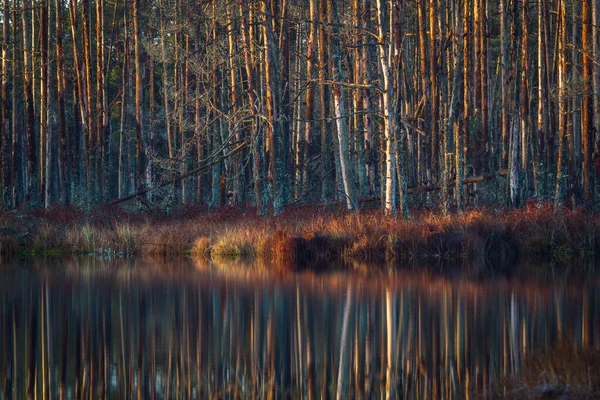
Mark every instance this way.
x=276 y=102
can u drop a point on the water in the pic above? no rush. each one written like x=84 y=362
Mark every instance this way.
x=86 y=328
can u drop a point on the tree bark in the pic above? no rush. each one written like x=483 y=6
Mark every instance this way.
x=587 y=129
x=562 y=101
x=347 y=172
x=143 y=177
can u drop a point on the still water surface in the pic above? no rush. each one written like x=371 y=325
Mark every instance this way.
x=86 y=328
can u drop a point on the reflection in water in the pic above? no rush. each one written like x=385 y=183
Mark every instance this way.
x=96 y=330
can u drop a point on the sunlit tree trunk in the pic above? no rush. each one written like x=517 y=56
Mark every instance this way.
x=483 y=66
x=101 y=117
x=384 y=48
x=31 y=156
x=452 y=126
x=239 y=174
x=81 y=94
x=587 y=129
x=562 y=101
x=525 y=95
x=305 y=139
x=596 y=83
x=275 y=132
x=46 y=133
x=260 y=192
x=425 y=101
x=542 y=101
x=65 y=173
x=434 y=87
x=87 y=71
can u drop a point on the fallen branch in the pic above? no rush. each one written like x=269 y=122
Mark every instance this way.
x=433 y=188
x=180 y=177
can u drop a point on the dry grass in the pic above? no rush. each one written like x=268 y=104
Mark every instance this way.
x=564 y=372
x=307 y=237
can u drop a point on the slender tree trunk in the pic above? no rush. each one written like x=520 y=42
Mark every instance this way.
x=434 y=87
x=596 y=82
x=385 y=51
x=451 y=125
x=81 y=91
x=143 y=177
x=45 y=137
x=483 y=66
x=255 y=105
x=31 y=171
x=92 y=143
x=542 y=101
x=505 y=92
x=562 y=101
x=515 y=172
x=587 y=129
x=101 y=117
x=16 y=144
x=64 y=172
x=239 y=183
x=122 y=179
x=275 y=132
x=5 y=136
x=341 y=121
x=305 y=139
x=328 y=184
x=525 y=94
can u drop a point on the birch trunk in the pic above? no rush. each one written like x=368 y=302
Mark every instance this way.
x=384 y=52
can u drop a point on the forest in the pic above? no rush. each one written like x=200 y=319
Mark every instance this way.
x=272 y=103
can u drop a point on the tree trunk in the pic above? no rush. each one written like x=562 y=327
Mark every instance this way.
x=596 y=81
x=483 y=66
x=260 y=192
x=515 y=172
x=65 y=173
x=347 y=172
x=275 y=132
x=385 y=50
x=143 y=177
x=505 y=76
x=587 y=129
x=5 y=137
x=453 y=117
x=31 y=158
x=562 y=101
x=45 y=129
x=92 y=180
x=81 y=91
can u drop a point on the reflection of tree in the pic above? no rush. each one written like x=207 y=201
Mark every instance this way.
x=213 y=335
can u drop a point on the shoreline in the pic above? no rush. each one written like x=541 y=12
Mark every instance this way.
x=310 y=237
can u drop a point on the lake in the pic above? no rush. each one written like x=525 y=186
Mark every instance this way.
x=91 y=328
